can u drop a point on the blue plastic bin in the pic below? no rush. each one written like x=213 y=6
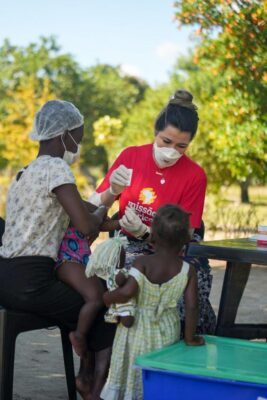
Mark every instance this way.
x=223 y=369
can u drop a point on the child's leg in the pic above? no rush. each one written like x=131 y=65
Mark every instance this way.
x=91 y=289
x=85 y=377
x=102 y=362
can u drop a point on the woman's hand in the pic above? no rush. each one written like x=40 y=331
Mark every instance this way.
x=133 y=224
x=118 y=180
x=195 y=341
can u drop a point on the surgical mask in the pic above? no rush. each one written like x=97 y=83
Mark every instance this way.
x=165 y=156
x=69 y=156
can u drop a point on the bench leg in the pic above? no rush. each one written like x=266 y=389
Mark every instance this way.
x=235 y=280
x=69 y=364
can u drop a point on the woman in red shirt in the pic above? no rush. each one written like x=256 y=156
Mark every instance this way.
x=143 y=178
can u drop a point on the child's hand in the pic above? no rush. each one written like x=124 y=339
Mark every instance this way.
x=120 y=279
x=195 y=341
x=106 y=299
x=93 y=237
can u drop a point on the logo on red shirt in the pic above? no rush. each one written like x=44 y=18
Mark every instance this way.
x=147 y=196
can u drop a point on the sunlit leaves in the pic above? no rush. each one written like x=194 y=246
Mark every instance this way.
x=107 y=132
x=17 y=149
x=234 y=33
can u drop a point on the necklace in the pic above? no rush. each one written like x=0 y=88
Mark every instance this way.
x=162 y=181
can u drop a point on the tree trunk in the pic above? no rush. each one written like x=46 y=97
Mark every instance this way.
x=244 y=191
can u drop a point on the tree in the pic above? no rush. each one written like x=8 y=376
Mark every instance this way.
x=97 y=91
x=231 y=53
x=111 y=94
x=17 y=150
x=41 y=61
x=233 y=38
x=138 y=126
x=231 y=143
x=107 y=132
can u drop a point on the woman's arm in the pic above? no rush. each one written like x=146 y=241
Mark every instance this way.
x=107 y=198
x=122 y=294
x=70 y=199
x=110 y=225
x=191 y=310
x=90 y=206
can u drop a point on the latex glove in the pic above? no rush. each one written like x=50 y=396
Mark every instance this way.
x=118 y=179
x=133 y=224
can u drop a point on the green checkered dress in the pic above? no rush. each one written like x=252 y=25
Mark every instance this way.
x=157 y=324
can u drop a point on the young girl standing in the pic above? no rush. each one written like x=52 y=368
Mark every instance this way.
x=157 y=281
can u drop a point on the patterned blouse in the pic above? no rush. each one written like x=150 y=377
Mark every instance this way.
x=35 y=220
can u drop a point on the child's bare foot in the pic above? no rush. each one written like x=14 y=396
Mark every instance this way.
x=83 y=388
x=79 y=343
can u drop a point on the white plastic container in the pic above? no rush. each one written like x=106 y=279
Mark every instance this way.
x=262 y=235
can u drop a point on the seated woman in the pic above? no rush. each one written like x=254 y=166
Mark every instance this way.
x=42 y=200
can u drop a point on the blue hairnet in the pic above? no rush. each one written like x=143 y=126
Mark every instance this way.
x=54 y=118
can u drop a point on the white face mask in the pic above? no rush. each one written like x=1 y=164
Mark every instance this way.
x=165 y=156
x=69 y=156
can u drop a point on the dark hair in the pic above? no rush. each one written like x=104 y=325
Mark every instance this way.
x=170 y=226
x=180 y=112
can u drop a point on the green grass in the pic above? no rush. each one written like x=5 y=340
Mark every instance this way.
x=225 y=213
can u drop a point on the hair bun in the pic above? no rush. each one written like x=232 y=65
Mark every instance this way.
x=183 y=98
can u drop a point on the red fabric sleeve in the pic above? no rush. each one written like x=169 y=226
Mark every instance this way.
x=193 y=200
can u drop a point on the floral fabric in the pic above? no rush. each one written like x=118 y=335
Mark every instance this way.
x=74 y=247
x=35 y=220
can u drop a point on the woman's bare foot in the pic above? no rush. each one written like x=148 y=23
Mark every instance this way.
x=84 y=386
x=79 y=343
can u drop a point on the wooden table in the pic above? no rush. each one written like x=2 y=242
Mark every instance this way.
x=239 y=254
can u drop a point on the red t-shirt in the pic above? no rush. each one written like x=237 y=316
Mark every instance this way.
x=183 y=184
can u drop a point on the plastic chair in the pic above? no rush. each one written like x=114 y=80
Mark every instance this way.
x=12 y=323
x=2 y=229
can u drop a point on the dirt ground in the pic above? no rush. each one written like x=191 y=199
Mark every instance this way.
x=39 y=370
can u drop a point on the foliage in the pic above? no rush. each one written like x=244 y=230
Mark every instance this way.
x=111 y=94
x=107 y=131
x=17 y=149
x=223 y=213
x=230 y=63
x=233 y=39
x=96 y=91
x=139 y=125
x=135 y=127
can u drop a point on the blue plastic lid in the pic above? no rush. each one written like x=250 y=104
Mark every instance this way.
x=232 y=359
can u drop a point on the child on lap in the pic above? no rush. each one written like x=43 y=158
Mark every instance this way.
x=73 y=257
x=157 y=281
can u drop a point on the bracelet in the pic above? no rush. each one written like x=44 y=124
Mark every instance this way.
x=145 y=236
